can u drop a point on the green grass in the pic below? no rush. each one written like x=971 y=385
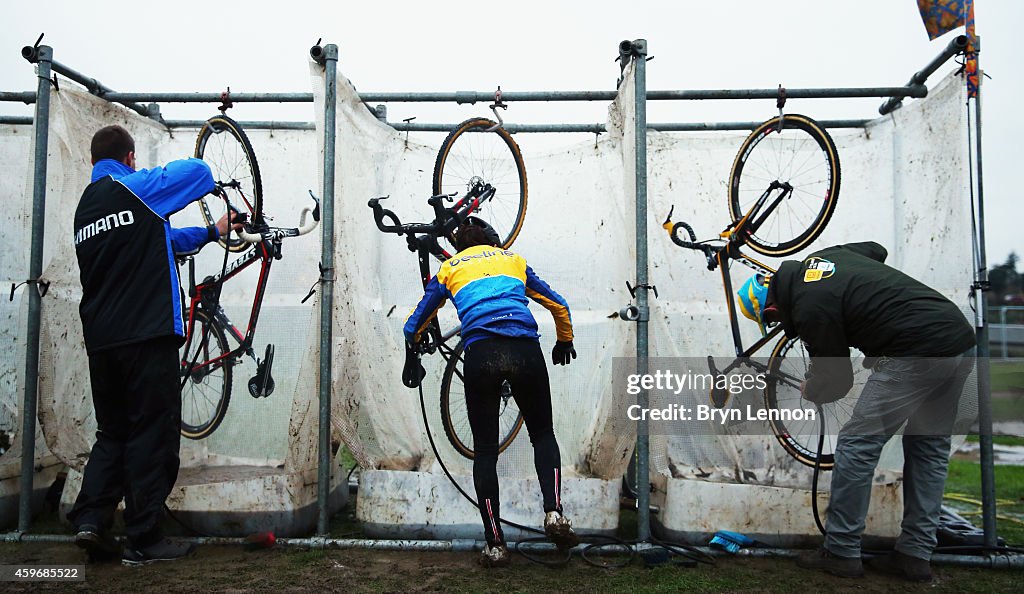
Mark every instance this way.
x=1008 y=376
x=1008 y=407
x=1004 y=440
x=965 y=480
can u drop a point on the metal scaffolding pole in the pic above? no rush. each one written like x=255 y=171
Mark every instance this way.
x=987 y=459
x=91 y=84
x=595 y=128
x=210 y=97
x=42 y=56
x=637 y=50
x=328 y=57
x=956 y=46
x=915 y=90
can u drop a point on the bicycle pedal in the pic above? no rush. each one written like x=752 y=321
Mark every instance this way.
x=262 y=384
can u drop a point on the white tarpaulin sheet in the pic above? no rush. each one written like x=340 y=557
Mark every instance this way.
x=904 y=185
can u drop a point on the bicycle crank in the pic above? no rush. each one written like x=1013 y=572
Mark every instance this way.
x=261 y=385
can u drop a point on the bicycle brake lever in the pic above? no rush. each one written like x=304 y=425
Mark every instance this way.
x=668 y=219
x=316 y=209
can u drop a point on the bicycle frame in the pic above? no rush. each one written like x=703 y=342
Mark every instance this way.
x=205 y=296
x=720 y=257
x=422 y=238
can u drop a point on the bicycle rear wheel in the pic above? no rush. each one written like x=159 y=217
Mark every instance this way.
x=455 y=418
x=800 y=437
x=223 y=145
x=207 y=391
x=470 y=154
x=801 y=155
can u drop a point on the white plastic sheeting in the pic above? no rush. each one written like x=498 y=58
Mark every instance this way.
x=578 y=228
x=904 y=185
x=254 y=431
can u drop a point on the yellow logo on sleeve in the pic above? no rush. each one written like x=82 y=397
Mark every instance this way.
x=818 y=269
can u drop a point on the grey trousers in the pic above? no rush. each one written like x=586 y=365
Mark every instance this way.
x=924 y=394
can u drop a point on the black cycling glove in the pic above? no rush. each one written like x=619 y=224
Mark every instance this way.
x=560 y=355
x=413 y=372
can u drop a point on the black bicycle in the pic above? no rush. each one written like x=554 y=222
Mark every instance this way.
x=479 y=171
x=783 y=189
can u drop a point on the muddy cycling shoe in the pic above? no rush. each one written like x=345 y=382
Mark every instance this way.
x=496 y=556
x=904 y=566
x=559 y=530
x=98 y=545
x=823 y=560
x=162 y=550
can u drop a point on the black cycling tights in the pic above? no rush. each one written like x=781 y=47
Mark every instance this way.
x=519 y=360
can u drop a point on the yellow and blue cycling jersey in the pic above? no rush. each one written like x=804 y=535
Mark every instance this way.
x=489 y=287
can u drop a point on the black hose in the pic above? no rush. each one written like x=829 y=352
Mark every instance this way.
x=676 y=548
x=817 y=470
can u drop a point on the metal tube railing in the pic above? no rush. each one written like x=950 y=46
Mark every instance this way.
x=638 y=51
x=94 y=86
x=987 y=459
x=328 y=57
x=472 y=97
x=595 y=128
x=43 y=55
x=956 y=46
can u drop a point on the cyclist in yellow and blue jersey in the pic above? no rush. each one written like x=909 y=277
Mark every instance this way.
x=490 y=287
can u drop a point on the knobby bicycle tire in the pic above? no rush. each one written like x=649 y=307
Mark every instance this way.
x=800 y=438
x=223 y=145
x=470 y=153
x=452 y=421
x=802 y=154
x=208 y=329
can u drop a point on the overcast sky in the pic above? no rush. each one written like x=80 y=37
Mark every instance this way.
x=444 y=45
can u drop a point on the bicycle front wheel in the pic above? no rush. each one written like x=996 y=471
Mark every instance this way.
x=786 y=369
x=472 y=154
x=455 y=417
x=223 y=145
x=207 y=388
x=801 y=157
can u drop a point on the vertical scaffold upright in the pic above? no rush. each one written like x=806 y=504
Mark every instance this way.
x=42 y=56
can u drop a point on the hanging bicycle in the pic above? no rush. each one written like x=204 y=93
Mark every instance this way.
x=480 y=170
x=783 y=189
x=207 y=358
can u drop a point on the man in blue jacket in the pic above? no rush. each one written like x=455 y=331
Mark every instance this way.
x=133 y=322
x=489 y=287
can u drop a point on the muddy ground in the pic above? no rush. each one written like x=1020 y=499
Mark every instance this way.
x=232 y=569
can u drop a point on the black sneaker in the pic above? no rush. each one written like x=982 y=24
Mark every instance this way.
x=162 y=550
x=904 y=566
x=97 y=544
x=823 y=560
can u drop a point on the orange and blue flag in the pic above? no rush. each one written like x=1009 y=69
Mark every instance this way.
x=942 y=16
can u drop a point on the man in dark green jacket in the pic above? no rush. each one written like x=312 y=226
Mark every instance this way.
x=920 y=348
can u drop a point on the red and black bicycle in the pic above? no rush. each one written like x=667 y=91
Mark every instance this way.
x=207 y=357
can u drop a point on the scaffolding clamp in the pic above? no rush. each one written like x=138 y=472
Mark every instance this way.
x=780 y=102
x=41 y=285
x=225 y=101
x=494 y=109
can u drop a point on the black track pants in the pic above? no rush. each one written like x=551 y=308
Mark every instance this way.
x=489 y=362
x=138 y=413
